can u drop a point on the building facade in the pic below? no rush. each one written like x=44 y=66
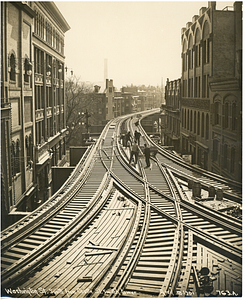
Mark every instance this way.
x=211 y=101
x=170 y=115
x=32 y=101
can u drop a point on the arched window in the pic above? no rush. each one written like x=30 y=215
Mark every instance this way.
x=203 y=125
x=226 y=115
x=198 y=48
x=184 y=55
x=198 y=123
x=207 y=127
x=190 y=53
x=194 y=121
x=217 y=113
x=12 y=63
x=206 y=49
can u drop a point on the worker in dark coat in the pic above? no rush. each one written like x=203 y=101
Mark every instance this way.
x=147 y=155
x=137 y=136
x=128 y=138
x=134 y=152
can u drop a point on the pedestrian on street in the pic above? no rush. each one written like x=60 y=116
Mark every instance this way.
x=134 y=152
x=147 y=155
x=137 y=136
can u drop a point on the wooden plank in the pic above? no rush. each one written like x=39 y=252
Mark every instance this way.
x=101 y=248
x=98 y=253
x=141 y=288
x=8 y=260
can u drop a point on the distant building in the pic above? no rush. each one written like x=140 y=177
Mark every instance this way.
x=32 y=102
x=170 y=115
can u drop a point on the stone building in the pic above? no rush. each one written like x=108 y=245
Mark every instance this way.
x=211 y=101
x=32 y=102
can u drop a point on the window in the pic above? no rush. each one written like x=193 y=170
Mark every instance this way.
x=206 y=46
x=27 y=150
x=191 y=116
x=190 y=88
x=203 y=125
x=111 y=90
x=188 y=119
x=17 y=156
x=234 y=118
x=207 y=86
x=27 y=69
x=185 y=119
x=13 y=158
x=12 y=67
x=217 y=113
x=207 y=127
x=226 y=115
x=198 y=123
x=182 y=117
x=195 y=122
x=204 y=86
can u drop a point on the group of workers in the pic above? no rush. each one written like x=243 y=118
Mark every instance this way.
x=127 y=141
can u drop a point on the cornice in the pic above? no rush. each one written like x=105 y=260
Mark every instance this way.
x=55 y=14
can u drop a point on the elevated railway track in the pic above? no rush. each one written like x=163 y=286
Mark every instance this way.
x=118 y=230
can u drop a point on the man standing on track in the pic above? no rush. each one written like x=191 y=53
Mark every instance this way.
x=134 y=152
x=137 y=136
x=147 y=155
x=128 y=138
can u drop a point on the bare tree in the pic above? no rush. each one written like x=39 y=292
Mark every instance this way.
x=80 y=98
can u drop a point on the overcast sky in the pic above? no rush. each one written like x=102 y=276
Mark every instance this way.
x=140 y=40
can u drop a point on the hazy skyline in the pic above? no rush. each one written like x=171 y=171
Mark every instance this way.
x=140 y=40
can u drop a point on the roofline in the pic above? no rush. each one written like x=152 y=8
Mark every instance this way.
x=54 y=12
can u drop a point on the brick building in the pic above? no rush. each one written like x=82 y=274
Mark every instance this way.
x=32 y=102
x=211 y=101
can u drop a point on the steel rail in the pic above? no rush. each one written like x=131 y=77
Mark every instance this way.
x=50 y=246
x=33 y=257
x=107 y=276
x=30 y=222
x=178 y=160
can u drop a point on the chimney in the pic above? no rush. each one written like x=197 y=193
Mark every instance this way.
x=212 y=4
x=96 y=88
